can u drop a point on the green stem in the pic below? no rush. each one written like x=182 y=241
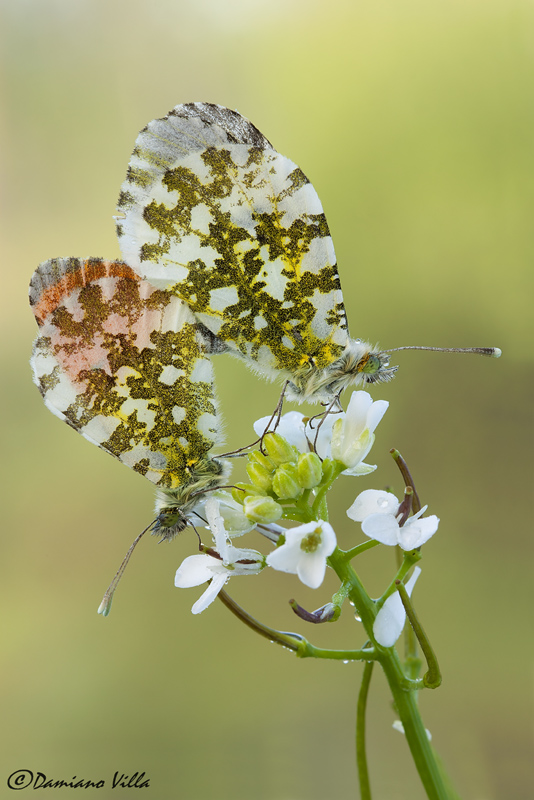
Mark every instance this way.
x=331 y=471
x=410 y=558
x=361 y=755
x=293 y=641
x=405 y=701
x=308 y=650
x=290 y=640
x=432 y=678
x=348 y=555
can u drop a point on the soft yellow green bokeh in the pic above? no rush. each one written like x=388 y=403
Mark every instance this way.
x=414 y=120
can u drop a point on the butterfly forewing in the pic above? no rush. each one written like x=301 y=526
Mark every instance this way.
x=214 y=214
x=124 y=364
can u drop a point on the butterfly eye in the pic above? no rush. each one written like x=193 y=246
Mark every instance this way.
x=371 y=365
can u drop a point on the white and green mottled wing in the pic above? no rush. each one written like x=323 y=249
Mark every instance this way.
x=213 y=213
x=123 y=363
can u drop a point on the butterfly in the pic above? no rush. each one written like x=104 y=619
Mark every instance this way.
x=125 y=365
x=212 y=213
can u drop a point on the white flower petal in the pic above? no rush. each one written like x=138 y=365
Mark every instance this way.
x=360 y=469
x=262 y=425
x=329 y=539
x=285 y=558
x=216 y=524
x=373 y=501
x=311 y=571
x=319 y=433
x=235 y=521
x=376 y=412
x=338 y=438
x=358 y=408
x=238 y=554
x=416 y=532
x=195 y=570
x=383 y=528
x=390 y=619
x=210 y=594
x=352 y=434
x=350 y=450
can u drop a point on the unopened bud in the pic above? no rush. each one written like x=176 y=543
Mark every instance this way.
x=286 y=482
x=258 y=458
x=310 y=470
x=262 y=509
x=278 y=449
x=241 y=490
x=260 y=477
x=238 y=494
x=328 y=613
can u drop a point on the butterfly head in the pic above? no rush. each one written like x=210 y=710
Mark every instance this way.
x=175 y=507
x=358 y=364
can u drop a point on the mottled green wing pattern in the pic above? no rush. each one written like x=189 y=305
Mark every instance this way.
x=123 y=363
x=213 y=213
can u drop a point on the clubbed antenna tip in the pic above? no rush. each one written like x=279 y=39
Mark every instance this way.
x=492 y=352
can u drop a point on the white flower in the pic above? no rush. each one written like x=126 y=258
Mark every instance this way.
x=345 y=437
x=353 y=433
x=378 y=513
x=235 y=521
x=305 y=551
x=203 y=567
x=390 y=619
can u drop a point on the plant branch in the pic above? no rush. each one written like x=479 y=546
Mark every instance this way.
x=361 y=755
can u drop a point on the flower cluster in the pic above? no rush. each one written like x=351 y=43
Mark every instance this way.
x=298 y=460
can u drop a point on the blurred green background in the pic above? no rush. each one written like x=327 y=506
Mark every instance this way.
x=414 y=120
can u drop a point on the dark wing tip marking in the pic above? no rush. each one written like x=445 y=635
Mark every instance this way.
x=238 y=129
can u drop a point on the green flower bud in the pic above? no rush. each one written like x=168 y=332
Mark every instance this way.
x=262 y=509
x=238 y=495
x=258 y=458
x=260 y=477
x=242 y=490
x=278 y=449
x=310 y=470
x=286 y=482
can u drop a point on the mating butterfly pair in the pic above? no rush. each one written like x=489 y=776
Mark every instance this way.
x=226 y=248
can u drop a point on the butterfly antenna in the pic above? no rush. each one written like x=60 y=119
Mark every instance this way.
x=492 y=352
x=105 y=606
x=276 y=415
